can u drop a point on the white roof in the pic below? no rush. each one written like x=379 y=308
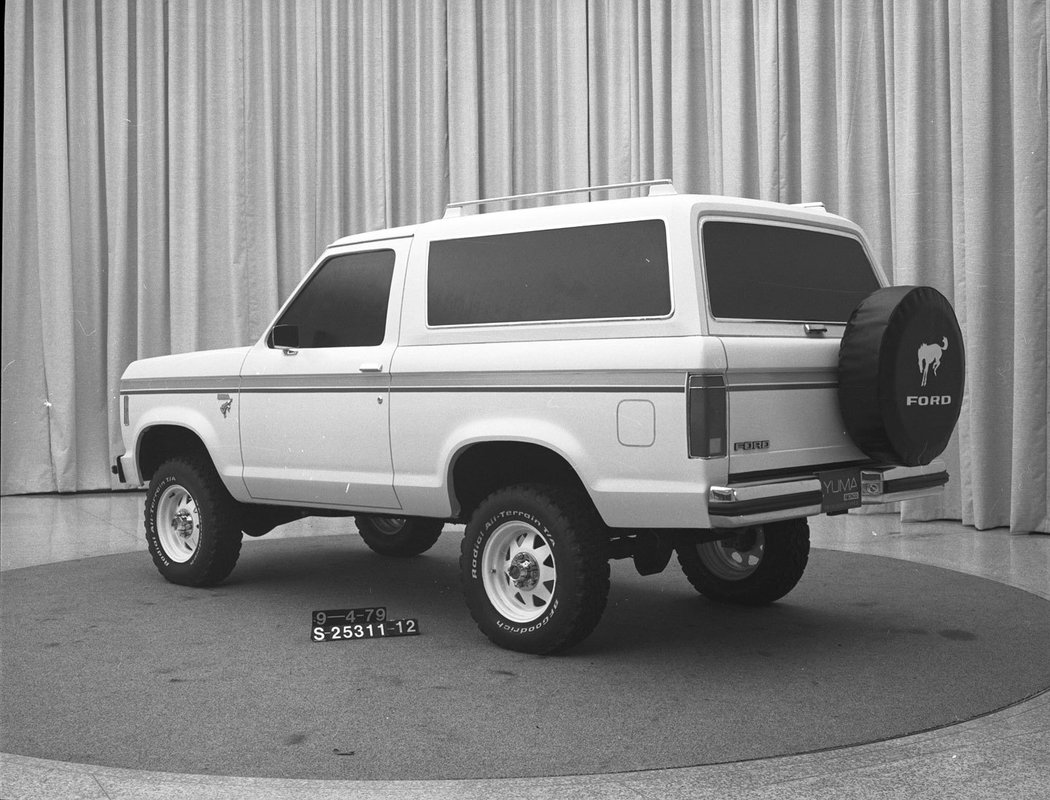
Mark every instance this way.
x=594 y=212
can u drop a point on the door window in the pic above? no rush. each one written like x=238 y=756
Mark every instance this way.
x=345 y=303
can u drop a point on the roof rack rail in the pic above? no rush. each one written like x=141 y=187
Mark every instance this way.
x=816 y=205
x=661 y=186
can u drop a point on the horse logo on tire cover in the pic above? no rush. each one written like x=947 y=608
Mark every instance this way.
x=930 y=356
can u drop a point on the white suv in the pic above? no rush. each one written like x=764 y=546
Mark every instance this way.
x=578 y=382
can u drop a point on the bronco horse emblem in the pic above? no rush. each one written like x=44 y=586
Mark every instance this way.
x=226 y=404
x=930 y=356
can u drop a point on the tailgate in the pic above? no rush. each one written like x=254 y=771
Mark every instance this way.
x=783 y=407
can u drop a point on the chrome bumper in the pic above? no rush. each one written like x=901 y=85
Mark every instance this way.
x=743 y=504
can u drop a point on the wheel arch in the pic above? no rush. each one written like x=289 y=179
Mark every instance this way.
x=157 y=443
x=480 y=468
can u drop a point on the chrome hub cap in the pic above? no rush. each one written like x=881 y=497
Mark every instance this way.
x=183 y=524
x=524 y=572
x=518 y=571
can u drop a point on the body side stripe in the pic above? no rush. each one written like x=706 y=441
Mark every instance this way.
x=777 y=387
x=409 y=389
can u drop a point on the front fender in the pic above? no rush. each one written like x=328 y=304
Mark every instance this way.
x=202 y=416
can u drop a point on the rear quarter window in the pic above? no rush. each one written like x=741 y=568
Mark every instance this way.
x=610 y=271
x=773 y=272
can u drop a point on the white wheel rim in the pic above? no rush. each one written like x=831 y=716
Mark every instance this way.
x=178 y=524
x=735 y=558
x=518 y=571
x=388 y=526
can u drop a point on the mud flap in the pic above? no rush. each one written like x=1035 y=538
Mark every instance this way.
x=652 y=552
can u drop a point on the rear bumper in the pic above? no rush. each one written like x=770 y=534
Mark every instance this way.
x=746 y=504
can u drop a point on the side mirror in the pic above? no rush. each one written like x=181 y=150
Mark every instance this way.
x=286 y=337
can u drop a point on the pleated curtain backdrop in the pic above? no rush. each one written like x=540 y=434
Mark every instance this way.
x=172 y=168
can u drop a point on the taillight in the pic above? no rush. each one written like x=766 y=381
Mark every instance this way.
x=706 y=407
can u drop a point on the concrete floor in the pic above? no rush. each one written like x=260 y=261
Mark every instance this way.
x=1004 y=754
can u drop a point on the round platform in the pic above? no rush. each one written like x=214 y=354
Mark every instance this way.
x=106 y=663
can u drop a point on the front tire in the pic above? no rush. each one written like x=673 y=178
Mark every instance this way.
x=398 y=536
x=534 y=568
x=192 y=530
x=753 y=567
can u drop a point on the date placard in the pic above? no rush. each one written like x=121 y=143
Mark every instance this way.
x=365 y=630
x=349 y=616
x=358 y=623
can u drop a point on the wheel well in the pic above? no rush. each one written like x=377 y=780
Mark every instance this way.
x=483 y=468
x=162 y=442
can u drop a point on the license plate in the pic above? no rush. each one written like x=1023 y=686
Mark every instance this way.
x=839 y=490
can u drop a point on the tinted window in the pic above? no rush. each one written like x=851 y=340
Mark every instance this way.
x=345 y=302
x=590 y=272
x=772 y=272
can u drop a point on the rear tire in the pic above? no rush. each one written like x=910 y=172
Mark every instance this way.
x=753 y=567
x=534 y=568
x=192 y=530
x=398 y=536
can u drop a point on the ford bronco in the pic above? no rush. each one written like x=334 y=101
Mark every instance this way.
x=625 y=378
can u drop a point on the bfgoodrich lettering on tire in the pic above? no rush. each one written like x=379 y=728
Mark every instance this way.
x=534 y=568
x=753 y=567
x=192 y=530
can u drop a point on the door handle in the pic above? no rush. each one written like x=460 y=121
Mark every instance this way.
x=370 y=367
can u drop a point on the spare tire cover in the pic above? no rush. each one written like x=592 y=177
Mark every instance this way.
x=901 y=372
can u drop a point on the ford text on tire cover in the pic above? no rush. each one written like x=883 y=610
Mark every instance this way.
x=666 y=375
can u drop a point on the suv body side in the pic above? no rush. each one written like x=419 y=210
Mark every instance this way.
x=383 y=428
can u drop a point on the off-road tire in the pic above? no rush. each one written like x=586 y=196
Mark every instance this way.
x=754 y=567
x=553 y=531
x=398 y=536
x=192 y=528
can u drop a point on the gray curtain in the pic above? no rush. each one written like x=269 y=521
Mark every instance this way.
x=172 y=168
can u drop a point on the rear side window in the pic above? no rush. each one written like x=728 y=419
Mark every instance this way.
x=770 y=272
x=345 y=302
x=592 y=272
